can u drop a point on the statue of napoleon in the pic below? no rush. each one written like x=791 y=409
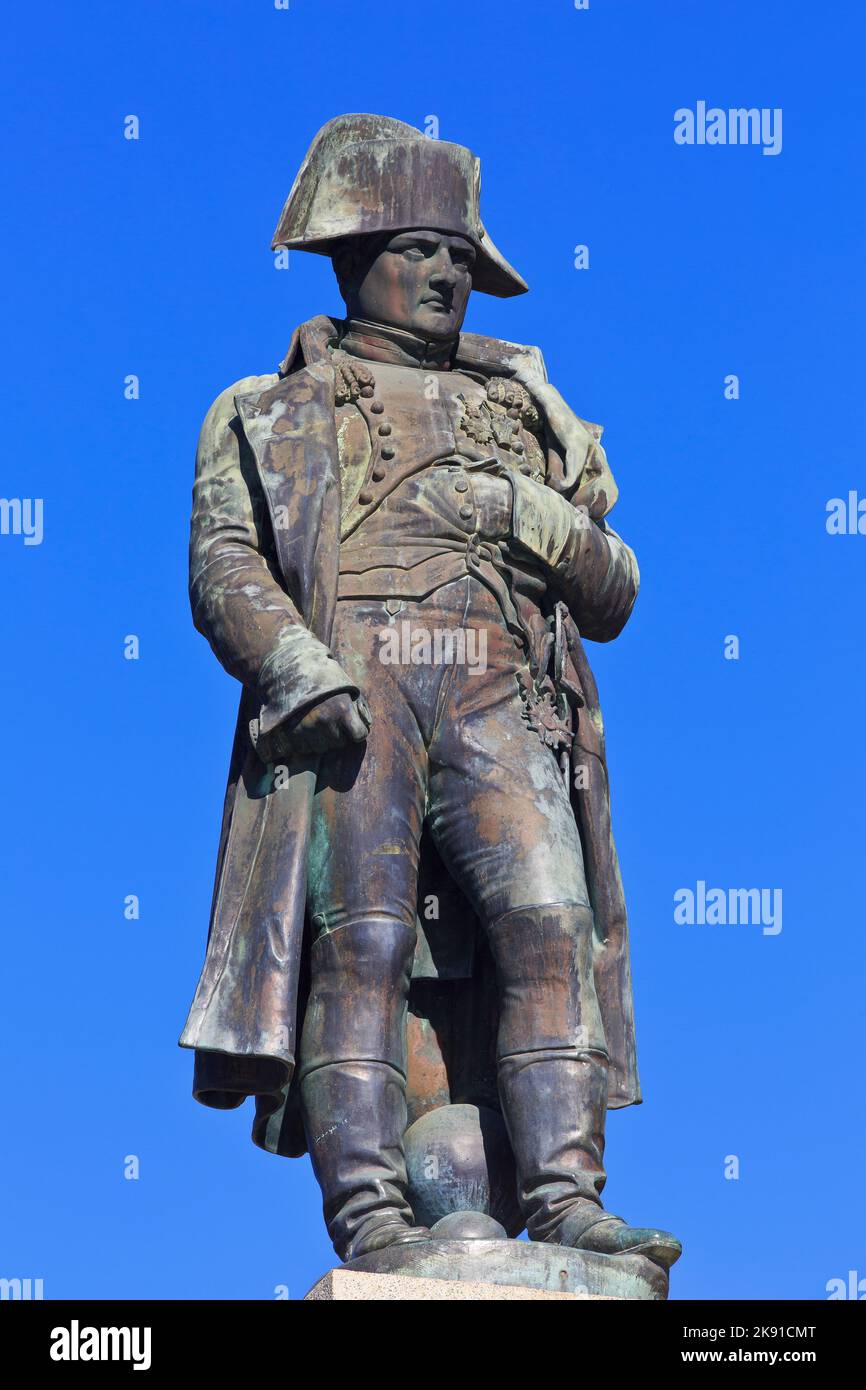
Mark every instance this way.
x=418 y=956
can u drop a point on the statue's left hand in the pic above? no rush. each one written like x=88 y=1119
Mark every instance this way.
x=575 y=439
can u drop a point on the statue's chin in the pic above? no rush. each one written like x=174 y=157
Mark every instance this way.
x=436 y=325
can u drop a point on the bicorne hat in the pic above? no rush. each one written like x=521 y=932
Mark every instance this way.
x=365 y=174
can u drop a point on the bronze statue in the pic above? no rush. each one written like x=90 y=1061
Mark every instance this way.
x=418 y=957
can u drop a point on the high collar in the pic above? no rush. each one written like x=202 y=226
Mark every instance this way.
x=379 y=342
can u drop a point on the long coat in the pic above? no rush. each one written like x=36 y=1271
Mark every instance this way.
x=263 y=581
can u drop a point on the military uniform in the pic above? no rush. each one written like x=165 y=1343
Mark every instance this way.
x=335 y=502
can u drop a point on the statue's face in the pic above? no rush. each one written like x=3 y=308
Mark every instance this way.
x=419 y=281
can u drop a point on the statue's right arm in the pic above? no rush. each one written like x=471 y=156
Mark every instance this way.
x=237 y=600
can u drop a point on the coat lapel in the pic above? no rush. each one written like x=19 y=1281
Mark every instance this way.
x=291 y=431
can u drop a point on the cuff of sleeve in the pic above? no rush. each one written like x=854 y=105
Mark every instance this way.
x=542 y=521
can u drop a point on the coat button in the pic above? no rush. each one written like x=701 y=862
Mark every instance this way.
x=388 y=451
x=366 y=392
x=384 y=428
x=466 y=512
x=461 y=485
x=376 y=406
x=378 y=473
x=365 y=497
x=518 y=446
x=526 y=469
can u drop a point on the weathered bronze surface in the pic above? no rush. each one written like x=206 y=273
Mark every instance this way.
x=418 y=958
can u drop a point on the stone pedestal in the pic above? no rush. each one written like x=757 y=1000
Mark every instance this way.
x=490 y=1270
x=350 y=1286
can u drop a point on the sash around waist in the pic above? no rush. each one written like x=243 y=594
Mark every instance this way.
x=356 y=559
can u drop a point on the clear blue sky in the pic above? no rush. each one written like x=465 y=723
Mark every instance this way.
x=151 y=257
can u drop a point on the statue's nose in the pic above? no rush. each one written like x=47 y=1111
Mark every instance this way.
x=443 y=271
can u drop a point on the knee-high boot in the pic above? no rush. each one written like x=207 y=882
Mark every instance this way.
x=552 y=1071
x=353 y=1083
